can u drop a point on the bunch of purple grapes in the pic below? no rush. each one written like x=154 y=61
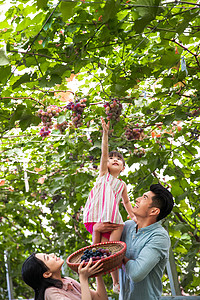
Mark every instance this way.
x=196 y=112
x=113 y=110
x=44 y=132
x=62 y=126
x=134 y=133
x=139 y=152
x=95 y=254
x=77 y=109
x=46 y=116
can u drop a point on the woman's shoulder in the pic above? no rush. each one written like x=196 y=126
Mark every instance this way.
x=54 y=293
x=70 y=280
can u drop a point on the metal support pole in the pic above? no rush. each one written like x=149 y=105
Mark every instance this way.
x=9 y=281
x=172 y=274
x=25 y=177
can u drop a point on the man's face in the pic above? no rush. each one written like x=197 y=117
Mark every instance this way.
x=143 y=205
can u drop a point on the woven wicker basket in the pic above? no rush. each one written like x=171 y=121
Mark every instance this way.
x=111 y=263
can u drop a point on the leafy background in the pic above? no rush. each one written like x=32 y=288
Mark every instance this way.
x=145 y=54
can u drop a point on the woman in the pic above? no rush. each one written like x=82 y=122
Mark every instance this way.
x=42 y=272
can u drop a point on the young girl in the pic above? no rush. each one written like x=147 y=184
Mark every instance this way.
x=103 y=201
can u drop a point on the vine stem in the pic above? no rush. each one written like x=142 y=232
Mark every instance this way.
x=186 y=49
x=190 y=3
x=76 y=223
x=30 y=98
x=96 y=103
x=34 y=54
x=56 y=91
x=90 y=39
x=186 y=221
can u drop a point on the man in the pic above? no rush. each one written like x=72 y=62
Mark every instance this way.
x=147 y=246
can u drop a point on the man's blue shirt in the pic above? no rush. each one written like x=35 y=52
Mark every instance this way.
x=148 y=250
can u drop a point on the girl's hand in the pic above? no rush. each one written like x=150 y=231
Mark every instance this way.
x=104 y=125
x=89 y=269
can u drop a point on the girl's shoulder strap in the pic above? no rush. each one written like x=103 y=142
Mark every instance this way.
x=101 y=177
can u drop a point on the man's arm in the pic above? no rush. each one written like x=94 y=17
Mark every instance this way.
x=125 y=260
x=148 y=258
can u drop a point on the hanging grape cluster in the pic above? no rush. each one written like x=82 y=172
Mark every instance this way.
x=195 y=112
x=134 y=133
x=139 y=152
x=77 y=109
x=62 y=126
x=46 y=117
x=44 y=132
x=113 y=110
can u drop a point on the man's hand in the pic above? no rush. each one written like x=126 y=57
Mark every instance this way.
x=125 y=260
x=105 y=227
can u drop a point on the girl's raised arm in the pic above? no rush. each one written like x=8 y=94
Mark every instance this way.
x=127 y=203
x=104 y=148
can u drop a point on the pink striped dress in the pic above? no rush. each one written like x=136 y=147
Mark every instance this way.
x=103 y=202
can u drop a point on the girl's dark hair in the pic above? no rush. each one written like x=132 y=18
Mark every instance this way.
x=32 y=274
x=117 y=154
x=163 y=199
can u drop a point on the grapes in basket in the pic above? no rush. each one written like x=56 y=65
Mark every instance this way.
x=95 y=253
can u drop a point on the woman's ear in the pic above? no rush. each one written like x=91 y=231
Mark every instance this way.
x=47 y=274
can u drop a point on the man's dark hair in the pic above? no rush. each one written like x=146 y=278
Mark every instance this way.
x=117 y=154
x=163 y=200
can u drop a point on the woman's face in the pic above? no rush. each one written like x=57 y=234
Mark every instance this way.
x=52 y=262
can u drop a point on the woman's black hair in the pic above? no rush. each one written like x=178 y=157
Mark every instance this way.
x=163 y=199
x=32 y=274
